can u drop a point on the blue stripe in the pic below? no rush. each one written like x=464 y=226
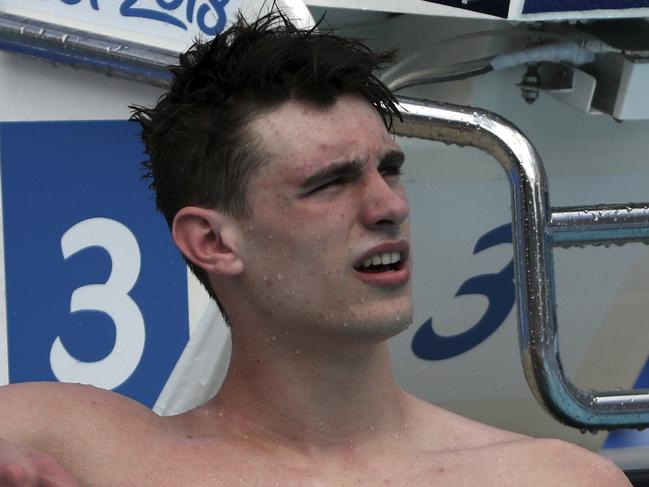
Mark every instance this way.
x=538 y=6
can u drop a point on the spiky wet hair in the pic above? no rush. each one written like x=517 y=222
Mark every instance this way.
x=200 y=150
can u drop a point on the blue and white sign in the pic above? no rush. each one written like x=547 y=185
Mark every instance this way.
x=169 y=24
x=96 y=291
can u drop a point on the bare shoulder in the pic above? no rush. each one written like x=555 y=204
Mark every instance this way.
x=566 y=464
x=512 y=458
x=44 y=412
x=456 y=432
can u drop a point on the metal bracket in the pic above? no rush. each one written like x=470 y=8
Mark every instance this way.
x=537 y=228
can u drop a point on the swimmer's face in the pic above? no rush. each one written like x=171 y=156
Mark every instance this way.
x=328 y=202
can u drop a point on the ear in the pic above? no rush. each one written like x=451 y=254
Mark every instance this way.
x=208 y=238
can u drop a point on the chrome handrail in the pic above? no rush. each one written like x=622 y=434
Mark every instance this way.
x=537 y=228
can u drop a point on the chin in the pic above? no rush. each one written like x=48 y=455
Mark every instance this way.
x=383 y=322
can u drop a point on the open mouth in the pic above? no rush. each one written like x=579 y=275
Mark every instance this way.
x=383 y=262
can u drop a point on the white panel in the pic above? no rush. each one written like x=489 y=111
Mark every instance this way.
x=633 y=98
x=37 y=90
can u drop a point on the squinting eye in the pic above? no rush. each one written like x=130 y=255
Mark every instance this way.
x=328 y=184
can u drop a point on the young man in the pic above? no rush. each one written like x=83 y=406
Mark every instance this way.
x=272 y=161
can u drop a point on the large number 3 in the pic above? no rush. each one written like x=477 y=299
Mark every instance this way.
x=498 y=288
x=111 y=298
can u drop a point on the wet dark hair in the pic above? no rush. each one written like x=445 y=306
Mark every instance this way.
x=200 y=150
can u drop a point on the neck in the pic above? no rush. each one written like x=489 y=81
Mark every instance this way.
x=317 y=395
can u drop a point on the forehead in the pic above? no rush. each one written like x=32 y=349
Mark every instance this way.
x=300 y=137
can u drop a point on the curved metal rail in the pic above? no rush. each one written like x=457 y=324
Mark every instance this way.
x=537 y=228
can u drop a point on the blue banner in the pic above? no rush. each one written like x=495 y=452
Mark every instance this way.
x=541 y=6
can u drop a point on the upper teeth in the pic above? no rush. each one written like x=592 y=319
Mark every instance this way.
x=382 y=259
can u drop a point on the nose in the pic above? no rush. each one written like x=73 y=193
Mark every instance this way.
x=385 y=203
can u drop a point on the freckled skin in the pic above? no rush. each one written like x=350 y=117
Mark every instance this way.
x=309 y=398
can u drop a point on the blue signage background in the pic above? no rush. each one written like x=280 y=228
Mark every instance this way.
x=55 y=175
x=499 y=8
x=539 y=6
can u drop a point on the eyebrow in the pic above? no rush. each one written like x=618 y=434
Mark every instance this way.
x=332 y=171
x=350 y=169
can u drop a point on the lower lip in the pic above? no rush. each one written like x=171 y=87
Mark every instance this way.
x=386 y=279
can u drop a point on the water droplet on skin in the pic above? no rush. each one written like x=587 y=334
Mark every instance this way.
x=220 y=413
x=279 y=276
x=274 y=338
x=298 y=352
x=245 y=437
x=345 y=325
x=396 y=436
x=371 y=427
x=270 y=237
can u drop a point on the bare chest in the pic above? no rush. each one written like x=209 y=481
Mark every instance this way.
x=222 y=466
